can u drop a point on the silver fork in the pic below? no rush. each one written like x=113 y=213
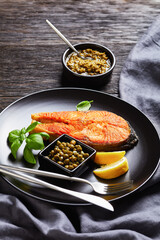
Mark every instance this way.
x=98 y=187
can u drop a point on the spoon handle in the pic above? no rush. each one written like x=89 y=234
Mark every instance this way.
x=61 y=36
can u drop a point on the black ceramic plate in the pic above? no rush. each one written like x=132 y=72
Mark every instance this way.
x=143 y=158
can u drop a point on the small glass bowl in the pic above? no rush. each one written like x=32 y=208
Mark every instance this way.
x=77 y=79
x=50 y=165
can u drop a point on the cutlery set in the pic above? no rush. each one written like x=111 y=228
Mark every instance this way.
x=100 y=188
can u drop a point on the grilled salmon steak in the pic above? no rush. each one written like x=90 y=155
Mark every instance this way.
x=105 y=131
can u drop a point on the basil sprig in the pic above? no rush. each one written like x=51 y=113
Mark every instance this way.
x=33 y=141
x=84 y=105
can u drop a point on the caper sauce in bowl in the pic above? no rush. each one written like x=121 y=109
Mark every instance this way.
x=93 y=71
x=94 y=62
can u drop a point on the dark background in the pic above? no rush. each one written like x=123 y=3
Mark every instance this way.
x=30 y=51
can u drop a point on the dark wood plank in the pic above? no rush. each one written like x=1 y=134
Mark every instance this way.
x=31 y=52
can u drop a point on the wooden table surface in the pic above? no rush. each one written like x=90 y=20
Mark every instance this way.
x=30 y=52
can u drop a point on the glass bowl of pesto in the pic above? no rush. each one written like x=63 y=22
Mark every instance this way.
x=93 y=69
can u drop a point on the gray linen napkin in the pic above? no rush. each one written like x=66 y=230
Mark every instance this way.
x=136 y=217
x=140 y=78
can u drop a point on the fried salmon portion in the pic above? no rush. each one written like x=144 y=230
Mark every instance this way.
x=105 y=131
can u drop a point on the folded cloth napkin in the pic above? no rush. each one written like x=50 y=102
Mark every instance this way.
x=136 y=216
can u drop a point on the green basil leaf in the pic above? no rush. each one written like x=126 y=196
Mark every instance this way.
x=45 y=135
x=31 y=126
x=22 y=137
x=13 y=135
x=15 y=146
x=28 y=155
x=84 y=106
x=35 y=141
x=23 y=130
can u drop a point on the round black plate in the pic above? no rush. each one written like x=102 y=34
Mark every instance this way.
x=143 y=158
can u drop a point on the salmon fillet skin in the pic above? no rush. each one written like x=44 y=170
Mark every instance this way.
x=102 y=130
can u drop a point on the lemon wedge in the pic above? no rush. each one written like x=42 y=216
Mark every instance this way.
x=112 y=170
x=102 y=158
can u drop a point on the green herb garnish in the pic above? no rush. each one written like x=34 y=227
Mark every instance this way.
x=33 y=141
x=84 y=105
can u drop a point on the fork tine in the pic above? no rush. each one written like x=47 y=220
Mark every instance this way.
x=118 y=187
x=116 y=191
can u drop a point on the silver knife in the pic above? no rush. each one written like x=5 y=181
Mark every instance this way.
x=84 y=196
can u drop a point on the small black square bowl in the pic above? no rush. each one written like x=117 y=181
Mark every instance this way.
x=47 y=163
x=76 y=79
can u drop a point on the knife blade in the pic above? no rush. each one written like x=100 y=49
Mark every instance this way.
x=101 y=202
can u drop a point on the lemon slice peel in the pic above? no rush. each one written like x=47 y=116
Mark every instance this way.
x=103 y=158
x=113 y=170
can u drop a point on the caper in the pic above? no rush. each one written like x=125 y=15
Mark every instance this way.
x=71 y=146
x=68 y=149
x=85 y=155
x=61 y=153
x=64 y=144
x=52 y=152
x=64 y=150
x=82 y=159
x=56 y=149
x=82 y=152
x=65 y=155
x=56 y=157
x=66 y=161
x=79 y=157
x=61 y=146
x=79 y=148
x=70 y=167
x=75 y=165
x=60 y=163
x=68 y=145
x=75 y=153
x=73 y=158
x=70 y=162
x=61 y=158
x=73 y=142
x=70 y=153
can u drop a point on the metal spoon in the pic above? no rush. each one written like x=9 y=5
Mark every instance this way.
x=64 y=39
